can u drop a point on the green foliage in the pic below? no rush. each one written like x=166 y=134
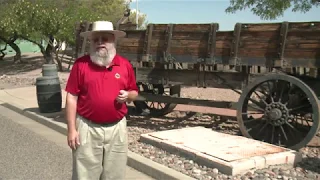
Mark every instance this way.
x=271 y=9
x=72 y=14
x=111 y=10
x=5 y=23
x=21 y=18
x=141 y=19
x=37 y=20
x=2 y=43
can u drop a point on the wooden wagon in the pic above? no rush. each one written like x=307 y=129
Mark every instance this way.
x=273 y=66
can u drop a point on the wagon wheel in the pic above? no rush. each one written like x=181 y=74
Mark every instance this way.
x=284 y=111
x=158 y=108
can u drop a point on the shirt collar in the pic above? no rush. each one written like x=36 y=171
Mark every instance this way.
x=115 y=61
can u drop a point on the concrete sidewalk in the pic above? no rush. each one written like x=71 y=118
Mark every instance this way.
x=57 y=161
x=24 y=101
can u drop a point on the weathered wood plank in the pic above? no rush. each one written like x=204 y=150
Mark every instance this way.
x=193 y=51
x=256 y=40
x=303 y=42
x=304 y=26
x=212 y=38
x=189 y=77
x=258 y=43
x=188 y=101
x=182 y=43
x=183 y=27
x=252 y=27
x=147 y=42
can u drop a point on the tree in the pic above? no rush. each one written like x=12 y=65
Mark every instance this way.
x=3 y=47
x=41 y=21
x=271 y=9
x=8 y=33
x=142 y=23
x=44 y=22
x=111 y=10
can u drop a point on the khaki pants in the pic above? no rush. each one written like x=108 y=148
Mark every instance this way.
x=102 y=154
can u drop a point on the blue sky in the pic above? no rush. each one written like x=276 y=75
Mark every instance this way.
x=208 y=11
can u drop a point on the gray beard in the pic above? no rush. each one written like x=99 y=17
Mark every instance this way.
x=101 y=60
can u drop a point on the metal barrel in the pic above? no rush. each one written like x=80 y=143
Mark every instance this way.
x=49 y=70
x=49 y=94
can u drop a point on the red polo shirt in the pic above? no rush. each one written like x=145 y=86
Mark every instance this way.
x=98 y=87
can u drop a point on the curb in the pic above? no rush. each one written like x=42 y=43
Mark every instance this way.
x=136 y=161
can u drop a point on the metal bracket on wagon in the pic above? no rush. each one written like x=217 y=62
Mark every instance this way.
x=235 y=60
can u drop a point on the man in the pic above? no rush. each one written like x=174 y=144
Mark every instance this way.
x=98 y=88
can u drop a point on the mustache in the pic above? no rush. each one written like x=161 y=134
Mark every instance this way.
x=99 y=59
x=101 y=46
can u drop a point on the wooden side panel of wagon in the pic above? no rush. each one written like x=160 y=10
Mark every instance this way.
x=286 y=45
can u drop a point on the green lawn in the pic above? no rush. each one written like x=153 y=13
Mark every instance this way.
x=25 y=47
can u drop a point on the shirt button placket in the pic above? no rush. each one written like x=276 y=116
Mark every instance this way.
x=105 y=74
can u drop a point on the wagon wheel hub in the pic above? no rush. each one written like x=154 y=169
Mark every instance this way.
x=274 y=114
x=277 y=113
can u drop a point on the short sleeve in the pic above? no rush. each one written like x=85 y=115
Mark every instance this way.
x=73 y=83
x=132 y=84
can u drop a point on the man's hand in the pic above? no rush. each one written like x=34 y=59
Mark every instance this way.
x=73 y=139
x=123 y=96
x=71 y=108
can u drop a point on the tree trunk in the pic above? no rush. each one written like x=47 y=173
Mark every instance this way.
x=49 y=50
x=59 y=59
x=2 y=52
x=60 y=68
x=14 y=46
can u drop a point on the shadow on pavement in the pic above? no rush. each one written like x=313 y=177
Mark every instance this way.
x=57 y=116
x=30 y=63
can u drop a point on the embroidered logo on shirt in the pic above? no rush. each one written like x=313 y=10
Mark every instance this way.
x=117 y=76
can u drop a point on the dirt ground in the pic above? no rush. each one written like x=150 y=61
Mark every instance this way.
x=14 y=75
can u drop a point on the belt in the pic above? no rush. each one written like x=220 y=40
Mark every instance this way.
x=102 y=124
x=107 y=123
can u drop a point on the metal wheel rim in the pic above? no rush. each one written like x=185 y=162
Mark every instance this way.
x=295 y=81
x=165 y=108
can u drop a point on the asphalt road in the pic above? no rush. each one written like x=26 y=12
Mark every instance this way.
x=32 y=151
x=24 y=154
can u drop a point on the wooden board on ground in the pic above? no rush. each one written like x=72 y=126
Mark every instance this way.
x=230 y=154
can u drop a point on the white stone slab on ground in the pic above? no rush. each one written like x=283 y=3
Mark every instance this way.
x=230 y=154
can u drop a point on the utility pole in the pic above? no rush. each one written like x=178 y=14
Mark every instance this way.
x=137 y=17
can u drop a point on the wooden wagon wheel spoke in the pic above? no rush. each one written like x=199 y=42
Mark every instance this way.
x=290 y=115
x=157 y=108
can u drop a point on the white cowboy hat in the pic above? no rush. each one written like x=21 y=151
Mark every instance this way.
x=103 y=26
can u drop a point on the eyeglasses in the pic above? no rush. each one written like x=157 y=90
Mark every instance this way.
x=100 y=39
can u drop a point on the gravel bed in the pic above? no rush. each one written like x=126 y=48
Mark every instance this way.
x=309 y=168
x=16 y=81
